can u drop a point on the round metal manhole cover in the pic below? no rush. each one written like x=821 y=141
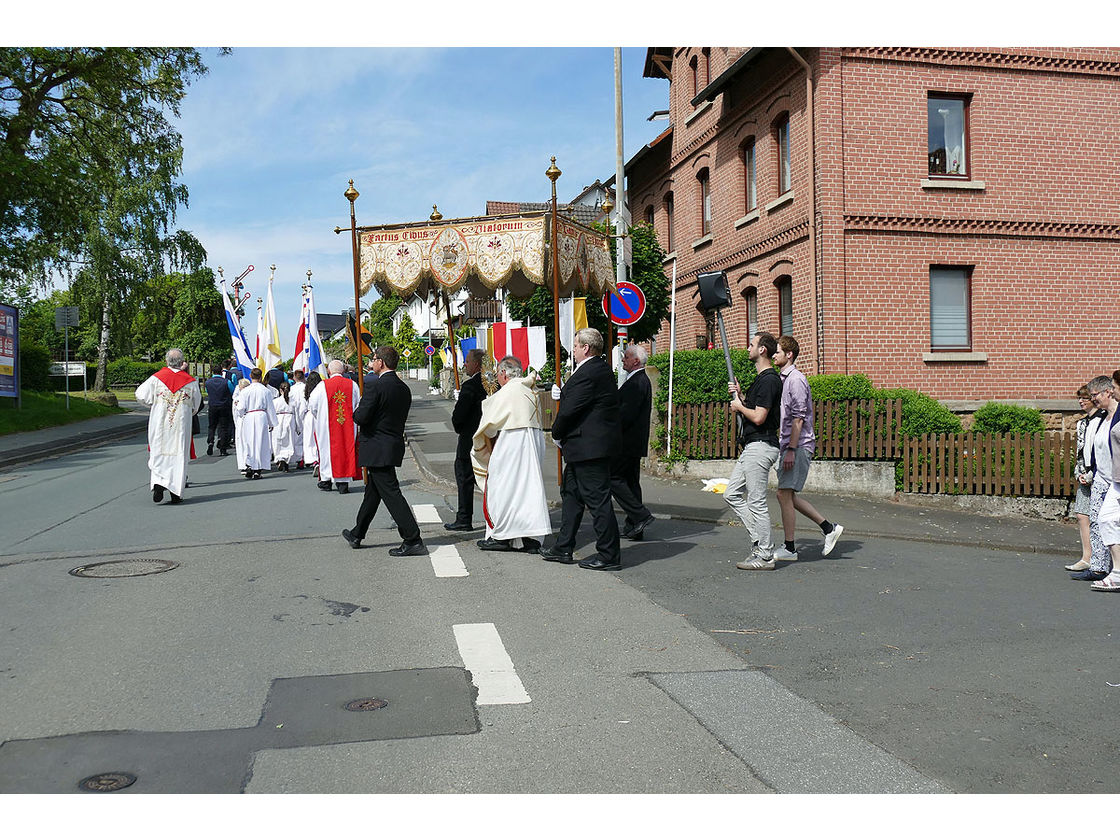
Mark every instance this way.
x=107 y=782
x=124 y=568
x=366 y=704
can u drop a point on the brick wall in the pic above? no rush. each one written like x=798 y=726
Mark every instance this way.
x=1043 y=229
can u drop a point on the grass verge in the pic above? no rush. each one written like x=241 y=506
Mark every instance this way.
x=43 y=410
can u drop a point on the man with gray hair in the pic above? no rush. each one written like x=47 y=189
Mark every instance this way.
x=635 y=398
x=507 y=450
x=464 y=419
x=174 y=397
x=332 y=406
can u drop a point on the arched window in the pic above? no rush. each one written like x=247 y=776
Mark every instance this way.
x=782 y=144
x=649 y=215
x=784 y=286
x=705 y=202
x=670 y=239
x=750 y=184
x=706 y=65
x=694 y=69
x=752 y=313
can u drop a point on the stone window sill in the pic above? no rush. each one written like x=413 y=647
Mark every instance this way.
x=784 y=198
x=698 y=112
x=955 y=356
x=947 y=184
x=699 y=243
x=747 y=219
x=669 y=258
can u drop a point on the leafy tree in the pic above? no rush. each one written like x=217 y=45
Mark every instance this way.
x=406 y=339
x=66 y=115
x=381 y=319
x=153 y=306
x=198 y=326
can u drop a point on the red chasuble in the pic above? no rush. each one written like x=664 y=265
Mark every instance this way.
x=344 y=446
x=174 y=380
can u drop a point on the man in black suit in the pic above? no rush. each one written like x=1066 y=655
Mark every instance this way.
x=586 y=429
x=465 y=419
x=634 y=398
x=220 y=399
x=381 y=415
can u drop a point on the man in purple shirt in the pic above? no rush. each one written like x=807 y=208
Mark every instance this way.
x=796 y=444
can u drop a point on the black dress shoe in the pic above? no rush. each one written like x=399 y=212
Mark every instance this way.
x=406 y=549
x=157 y=494
x=256 y=474
x=554 y=556
x=324 y=485
x=637 y=532
x=458 y=526
x=598 y=564
x=210 y=449
x=1089 y=575
x=530 y=545
x=494 y=545
x=350 y=538
x=344 y=487
x=175 y=499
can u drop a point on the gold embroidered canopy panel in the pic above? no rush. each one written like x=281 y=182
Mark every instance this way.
x=483 y=254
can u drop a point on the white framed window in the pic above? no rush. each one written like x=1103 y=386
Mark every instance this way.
x=947 y=135
x=785 y=305
x=750 y=185
x=781 y=140
x=950 y=292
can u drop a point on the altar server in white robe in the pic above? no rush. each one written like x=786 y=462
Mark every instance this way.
x=287 y=425
x=238 y=440
x=258 y=418
x=174 y=397
x=506 y=455
x=298 y=400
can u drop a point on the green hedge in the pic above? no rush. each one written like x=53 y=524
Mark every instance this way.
x=999 y=417
x=34 y=367
x=130 y=371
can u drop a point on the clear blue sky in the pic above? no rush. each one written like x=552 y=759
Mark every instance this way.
x=271 y=137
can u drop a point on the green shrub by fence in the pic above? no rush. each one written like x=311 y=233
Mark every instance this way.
x=1000 y=417
x=130 y=371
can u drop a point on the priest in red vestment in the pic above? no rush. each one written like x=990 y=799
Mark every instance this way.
x=174 y=398
x=332 y=405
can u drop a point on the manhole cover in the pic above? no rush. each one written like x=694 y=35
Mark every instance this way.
x=105 y=782
x=124 y=568
x=366 y=704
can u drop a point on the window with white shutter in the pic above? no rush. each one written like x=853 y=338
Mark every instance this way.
x=949 y=305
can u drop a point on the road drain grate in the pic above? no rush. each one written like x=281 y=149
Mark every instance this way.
x=124 y=568
x=366 y=704
x=107 y=782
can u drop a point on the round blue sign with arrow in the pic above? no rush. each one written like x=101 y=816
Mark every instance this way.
x=626 y=306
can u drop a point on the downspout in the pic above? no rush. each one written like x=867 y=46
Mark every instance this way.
x=819 y=338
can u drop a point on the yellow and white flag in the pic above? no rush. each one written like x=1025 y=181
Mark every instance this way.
x=270 y=346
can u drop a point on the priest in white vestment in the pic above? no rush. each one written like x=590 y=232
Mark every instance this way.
x=174 y=397
x=258 y=417
x=506 y=455
x=332 y=405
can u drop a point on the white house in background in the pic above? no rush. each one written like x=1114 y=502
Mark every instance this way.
x=429 y=324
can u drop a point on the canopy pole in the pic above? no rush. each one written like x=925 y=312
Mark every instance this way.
x=451 y=335
x=553 y=173
x=351 y=195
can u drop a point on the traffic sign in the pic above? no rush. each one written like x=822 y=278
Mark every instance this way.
x=65 y=316
x=626 y=306
x=406 y=352
x=429 y=350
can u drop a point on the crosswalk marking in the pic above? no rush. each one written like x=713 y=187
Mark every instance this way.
x=446 y=562
x=491 y=669
x=426 y=514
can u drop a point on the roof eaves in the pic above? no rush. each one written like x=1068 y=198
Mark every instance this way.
x=720 y=82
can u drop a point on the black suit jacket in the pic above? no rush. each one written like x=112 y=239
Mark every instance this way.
x=468 y=413
x=586 y=424
x=381 y=415
x=635 y=398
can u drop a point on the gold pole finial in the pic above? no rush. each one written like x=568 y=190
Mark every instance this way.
x=309 y=275
x=221 y=274
x=436 y=215
x=553 y=172
x=351 y=194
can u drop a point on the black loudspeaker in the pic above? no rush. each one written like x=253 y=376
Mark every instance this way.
x=714 y=292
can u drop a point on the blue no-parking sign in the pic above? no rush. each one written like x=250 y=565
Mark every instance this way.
x=626 y=306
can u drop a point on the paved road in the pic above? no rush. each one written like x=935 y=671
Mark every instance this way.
x=890 y=666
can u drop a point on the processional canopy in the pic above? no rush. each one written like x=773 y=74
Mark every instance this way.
x=483 y=253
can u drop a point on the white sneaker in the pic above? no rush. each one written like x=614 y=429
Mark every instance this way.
x=831 y=538
x=783 y=553
x=754 y=563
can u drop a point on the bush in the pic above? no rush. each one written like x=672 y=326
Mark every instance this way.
x=999 y=417
x=921 y=414
x=130 y=371
x=842 y=386
x=700 y=376
x=34 y=367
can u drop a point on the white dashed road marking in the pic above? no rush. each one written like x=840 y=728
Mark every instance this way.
x=491 y=669
x=425 y=514
x=446 y=562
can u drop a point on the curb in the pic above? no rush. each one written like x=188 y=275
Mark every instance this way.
x=88 y=440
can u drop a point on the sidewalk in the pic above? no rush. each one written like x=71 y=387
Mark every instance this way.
x=27 y=447
x=432 y=443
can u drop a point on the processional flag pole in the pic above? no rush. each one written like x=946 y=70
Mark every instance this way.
x=351 y=195
x=553 y=173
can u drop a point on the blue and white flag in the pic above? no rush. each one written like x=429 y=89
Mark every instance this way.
x=241 y=352
x=314 y=343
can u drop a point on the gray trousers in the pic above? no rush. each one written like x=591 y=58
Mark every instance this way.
x=746 y=493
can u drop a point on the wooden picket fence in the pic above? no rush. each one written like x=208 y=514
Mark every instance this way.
x=846 y=429
x=1013 y=464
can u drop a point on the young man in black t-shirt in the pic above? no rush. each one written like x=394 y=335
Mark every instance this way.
x=760 y=409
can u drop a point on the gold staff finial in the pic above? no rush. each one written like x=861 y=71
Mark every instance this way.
x=351 y=194
x=553 y=172
x=221 y=274
x=436 y=215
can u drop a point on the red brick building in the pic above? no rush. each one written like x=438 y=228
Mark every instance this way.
x=965 y=206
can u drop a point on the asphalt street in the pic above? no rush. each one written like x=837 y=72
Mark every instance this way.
x=893 y=665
